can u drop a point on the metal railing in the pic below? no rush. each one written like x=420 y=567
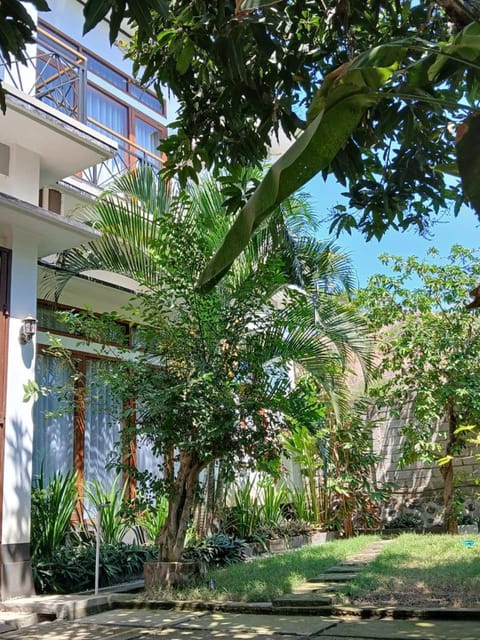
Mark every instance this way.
x=56 y=74
x=129 y=156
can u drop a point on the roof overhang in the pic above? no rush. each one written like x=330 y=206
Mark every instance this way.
x=50 y=231
x=65 y=145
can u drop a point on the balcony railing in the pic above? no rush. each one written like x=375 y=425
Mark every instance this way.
x=129 y=156
x=56 y=74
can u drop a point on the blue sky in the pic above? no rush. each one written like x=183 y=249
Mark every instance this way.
x=464 y=230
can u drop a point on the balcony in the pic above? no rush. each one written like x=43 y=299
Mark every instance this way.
x=57 y=75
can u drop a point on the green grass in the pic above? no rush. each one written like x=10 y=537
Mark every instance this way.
x=421 y=570
x=265 y=578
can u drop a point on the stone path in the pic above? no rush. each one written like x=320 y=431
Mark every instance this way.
x=134 y=620
x=319 y=593
x=147 y=625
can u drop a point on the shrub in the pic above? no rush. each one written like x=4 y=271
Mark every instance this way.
x=152 y=519
x=218 y=550
x=51 y=513
x=405 y=521
x=114 y=525
x=72 y=568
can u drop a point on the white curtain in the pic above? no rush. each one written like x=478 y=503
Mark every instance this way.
x=114 y=116
x=102 y=425
x=53 y=418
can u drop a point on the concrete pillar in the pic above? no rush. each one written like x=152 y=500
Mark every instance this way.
x=16 y=575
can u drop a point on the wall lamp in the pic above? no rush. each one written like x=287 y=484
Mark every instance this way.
x=28 y=329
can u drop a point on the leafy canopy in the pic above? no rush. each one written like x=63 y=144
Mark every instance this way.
x=429 y=345
x=244 y=70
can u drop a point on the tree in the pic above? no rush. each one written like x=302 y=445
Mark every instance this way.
x=371 y=91
x=211 y=372
x=334 y=452
x=428 y=345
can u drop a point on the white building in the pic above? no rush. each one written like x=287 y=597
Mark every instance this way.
x=74 y=120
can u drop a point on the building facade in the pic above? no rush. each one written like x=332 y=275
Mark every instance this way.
x=75 y=119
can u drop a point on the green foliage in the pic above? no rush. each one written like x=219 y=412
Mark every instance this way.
x=334 y=452
x=274 y=496
x=339 y=108
x=242 y=519
x=114 y=525
x=153 y=518
x=53 y=505
x=210 y=372
x=300 y=500
x=217 y=550
x=404 y=521
x=428 y=343
x=71 y=568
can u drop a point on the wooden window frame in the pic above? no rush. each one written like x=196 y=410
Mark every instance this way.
x=66 y=334
x=132 y=113
x=88 y=53
x=79 y=359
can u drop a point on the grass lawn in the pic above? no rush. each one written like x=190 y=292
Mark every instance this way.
x=264 y=578
x=421 y=570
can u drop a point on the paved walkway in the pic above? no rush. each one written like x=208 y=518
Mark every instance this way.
x=125 y=624
x=296 y=616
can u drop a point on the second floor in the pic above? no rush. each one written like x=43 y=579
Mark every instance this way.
x=89 y=86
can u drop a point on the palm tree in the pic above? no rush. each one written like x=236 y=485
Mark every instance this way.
x=212 y=375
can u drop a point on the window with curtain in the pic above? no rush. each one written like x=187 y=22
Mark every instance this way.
x=53 y=418
x=148 y=137
x=113 y=115
x=102 y=424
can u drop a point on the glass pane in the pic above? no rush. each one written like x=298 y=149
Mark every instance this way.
x=103 y=110
x=48 y=319
x=102 y=425
x=147 y=137
x=108 y=112
x=53 y=418
x=107 y=73
x=147 y=98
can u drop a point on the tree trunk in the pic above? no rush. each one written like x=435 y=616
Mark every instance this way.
x=451 y=523
x=448 y=502
x=171 y=541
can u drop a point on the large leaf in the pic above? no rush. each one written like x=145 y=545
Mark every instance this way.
x=340 y=104
x=468 y=144
x=138 y=10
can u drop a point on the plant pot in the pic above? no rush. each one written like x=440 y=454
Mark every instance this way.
x=295 y=542
x=276 y=545
x=158 y=575
x=320 y=537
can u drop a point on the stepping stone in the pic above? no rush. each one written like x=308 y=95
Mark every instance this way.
x=349 y=568
x=333 y=577
x=311 y=588
x=299 y=600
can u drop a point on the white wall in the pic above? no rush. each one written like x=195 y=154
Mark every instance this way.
x=23 y=175
x=19 y=424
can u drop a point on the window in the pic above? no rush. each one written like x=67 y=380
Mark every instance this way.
x=147 y=137
x=77 y=424
x=102 y=424
x=68 y=78
x=53 y=418
x=49 y=320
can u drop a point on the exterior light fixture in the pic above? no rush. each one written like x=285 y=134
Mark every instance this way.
x=28 y=329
